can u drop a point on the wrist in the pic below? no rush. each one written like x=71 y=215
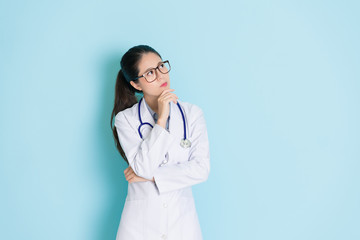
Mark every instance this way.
x=162 y=118
x=161 y=122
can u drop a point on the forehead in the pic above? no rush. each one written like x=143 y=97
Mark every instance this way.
x=148 y=60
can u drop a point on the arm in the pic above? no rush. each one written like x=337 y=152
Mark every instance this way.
x=131 y=177
x=144 y=156
x=196 y=169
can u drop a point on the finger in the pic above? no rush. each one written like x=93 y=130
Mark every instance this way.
x=165 y=96
x=166 y=91
x=136 y=179
x=130 y=169
x=130 y=177
x=133 y=179
x=168 y=98
x=129 y=174
x=172 y=98
x=127 y=169
x=130 y=180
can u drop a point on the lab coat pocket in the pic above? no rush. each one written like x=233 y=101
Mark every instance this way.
x=132 y=221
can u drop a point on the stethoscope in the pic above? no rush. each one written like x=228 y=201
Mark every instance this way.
x=185 y=143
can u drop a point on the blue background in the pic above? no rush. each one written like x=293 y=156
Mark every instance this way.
x=278 y=82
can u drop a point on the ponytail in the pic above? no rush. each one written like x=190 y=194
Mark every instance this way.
x=124 y=98
x=124 y=92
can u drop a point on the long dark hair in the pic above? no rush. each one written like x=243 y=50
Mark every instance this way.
x=124 y=92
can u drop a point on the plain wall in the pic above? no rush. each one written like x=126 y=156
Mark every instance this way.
x=278 y=82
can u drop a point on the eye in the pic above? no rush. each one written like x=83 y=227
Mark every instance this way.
x=161 y=65
x=150 y=73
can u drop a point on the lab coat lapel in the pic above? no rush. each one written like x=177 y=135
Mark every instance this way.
x=176 y=124
x=176 y=152
x=146 y=117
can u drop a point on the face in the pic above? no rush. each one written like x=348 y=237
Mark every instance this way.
x=153 y=89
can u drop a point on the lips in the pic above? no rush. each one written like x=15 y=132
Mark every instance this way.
x=164 y=84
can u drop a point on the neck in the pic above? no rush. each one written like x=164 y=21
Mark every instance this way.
x=152 y=102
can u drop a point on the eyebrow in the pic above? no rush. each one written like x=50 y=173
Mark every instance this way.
x=152 y=67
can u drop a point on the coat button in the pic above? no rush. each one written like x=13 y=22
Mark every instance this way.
x=165 y=205
x=163 y=236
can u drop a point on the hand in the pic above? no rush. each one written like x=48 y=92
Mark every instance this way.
x=163 y=103
x=132 y=177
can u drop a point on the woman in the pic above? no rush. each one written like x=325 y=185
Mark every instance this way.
x=165 y=143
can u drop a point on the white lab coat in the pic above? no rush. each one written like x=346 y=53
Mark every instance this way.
x=164 y=209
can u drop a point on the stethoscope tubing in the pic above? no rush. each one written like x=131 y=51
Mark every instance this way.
x=183 y=117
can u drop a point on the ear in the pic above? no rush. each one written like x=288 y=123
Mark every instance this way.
x=136 y=86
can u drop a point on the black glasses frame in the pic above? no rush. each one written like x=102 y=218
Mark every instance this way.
x=166 y=61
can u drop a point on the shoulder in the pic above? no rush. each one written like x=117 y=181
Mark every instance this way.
x=194 y=115
x=191 y=109
x=127 y=114
x=190 y=106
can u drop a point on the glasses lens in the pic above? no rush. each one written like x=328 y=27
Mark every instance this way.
x=164 y=67
x=150 y=75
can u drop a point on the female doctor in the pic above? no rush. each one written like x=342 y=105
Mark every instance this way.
x=165 y=142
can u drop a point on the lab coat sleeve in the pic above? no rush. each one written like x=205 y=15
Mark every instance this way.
x=144 y=156
x=196 y=169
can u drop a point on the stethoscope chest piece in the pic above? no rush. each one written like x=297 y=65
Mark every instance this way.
x=185 y=143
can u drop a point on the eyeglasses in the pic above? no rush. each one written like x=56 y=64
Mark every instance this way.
x=150 y=75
